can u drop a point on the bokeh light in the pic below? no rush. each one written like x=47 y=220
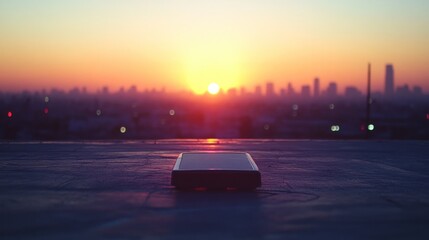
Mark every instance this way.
x=371 y=127
x=295 y=107
x=335 y=128
x=123 y=129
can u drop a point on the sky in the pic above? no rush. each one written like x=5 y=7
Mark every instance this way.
x=185 y=45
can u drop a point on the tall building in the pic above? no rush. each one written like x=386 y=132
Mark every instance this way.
x=305 y=91
x=133 y=89
x=232 y=92
x=290 y=90
x=331 y=91
x=389 y=80
x=352 y=92
x=105 y=90
x=242 y=91
x=403 y=90
x=316 y=87
x=258 y=90
x=417 y=90
x=270 y=89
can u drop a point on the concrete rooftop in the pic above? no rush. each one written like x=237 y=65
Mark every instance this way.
x=121 y=190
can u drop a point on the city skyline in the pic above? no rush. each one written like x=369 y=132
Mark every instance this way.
x=332 y=89
x=188 y=45
x=151 y=115
x=268 y=90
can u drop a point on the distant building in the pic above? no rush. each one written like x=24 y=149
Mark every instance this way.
x=133 y=89
x=242 y=91
x=105 y=90
x=417 y=90
x=290 y=90
x=258 y=90
x=305 y=91
x=352 y=92
x=270 y=90
x=74 y=91
x=332 y=90
x=389 y=81
x=316 y=87
x=403 y=90
x=232 y=92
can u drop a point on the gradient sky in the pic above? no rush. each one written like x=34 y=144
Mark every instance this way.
x=185 y=45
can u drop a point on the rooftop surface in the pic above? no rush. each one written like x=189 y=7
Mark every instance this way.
x=121 y=190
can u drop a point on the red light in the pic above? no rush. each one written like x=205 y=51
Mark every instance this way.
x=9 y=114
x=427 y=116
x=46 y=110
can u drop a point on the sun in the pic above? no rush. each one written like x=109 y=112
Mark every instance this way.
x=213 y=88
x=212 y=61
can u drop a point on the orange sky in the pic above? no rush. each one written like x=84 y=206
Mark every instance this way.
x=185 y=45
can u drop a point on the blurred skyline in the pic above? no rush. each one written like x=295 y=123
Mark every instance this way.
x=186 y=45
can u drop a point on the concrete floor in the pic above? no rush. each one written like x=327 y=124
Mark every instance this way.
x=121 y=190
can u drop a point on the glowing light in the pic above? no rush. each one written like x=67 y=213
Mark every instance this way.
x=9 y=114
x=172 y=112
x=295 y=107
x=214 y=60
x=46 y=99
x=98 y=112
x=427 y=116
x=335 y=128
x=371 y=127
x=212 y=141
x=46 y=110
x=213 y=88
x=267 y=127
x=332 y=106
x=123 y=130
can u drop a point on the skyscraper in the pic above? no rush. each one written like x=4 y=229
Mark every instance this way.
x=331 y=91
x=270 y=89
x=290 y=90
x=258 y=90
x=243 y=91
x=316 y=87
x=305 y=91
x=389 y=80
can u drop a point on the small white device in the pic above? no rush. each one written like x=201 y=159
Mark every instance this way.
x=215 y=170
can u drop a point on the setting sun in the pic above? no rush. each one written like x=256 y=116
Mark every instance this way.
x=183 y=46
x=213 y=88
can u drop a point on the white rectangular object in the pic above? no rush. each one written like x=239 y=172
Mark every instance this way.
x=215 y=170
